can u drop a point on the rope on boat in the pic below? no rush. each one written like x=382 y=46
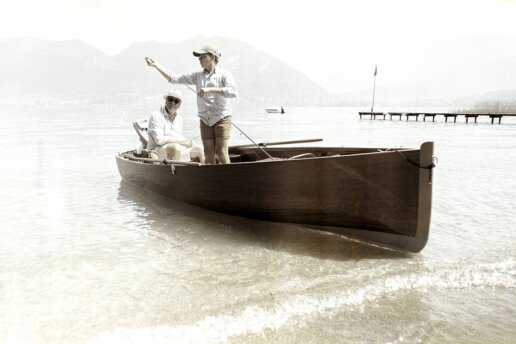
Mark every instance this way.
x=413 y=163
x=240 y=130
x=429 y=167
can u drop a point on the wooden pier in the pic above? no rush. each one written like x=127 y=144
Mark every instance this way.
x=452 y=116
x=372 y=115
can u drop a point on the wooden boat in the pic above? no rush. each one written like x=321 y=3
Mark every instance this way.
x=378 y=195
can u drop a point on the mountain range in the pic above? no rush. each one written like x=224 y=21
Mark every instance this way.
x=74 y=69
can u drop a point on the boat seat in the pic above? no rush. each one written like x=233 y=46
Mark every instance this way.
x=233 y=157
x=302 y=156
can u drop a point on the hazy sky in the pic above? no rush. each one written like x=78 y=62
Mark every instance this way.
x=318 y=37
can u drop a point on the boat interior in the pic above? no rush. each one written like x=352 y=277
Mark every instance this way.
x=253 y=153
x=257 y=153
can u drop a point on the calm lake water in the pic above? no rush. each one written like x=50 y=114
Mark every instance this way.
x=85 y=258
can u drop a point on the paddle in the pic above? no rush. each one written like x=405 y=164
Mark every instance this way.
x=265 y=144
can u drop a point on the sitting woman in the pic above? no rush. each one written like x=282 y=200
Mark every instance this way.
x=165 y=130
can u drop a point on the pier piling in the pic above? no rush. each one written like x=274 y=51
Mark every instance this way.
x=408 y=115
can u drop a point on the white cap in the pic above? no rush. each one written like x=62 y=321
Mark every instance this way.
x=173 y=93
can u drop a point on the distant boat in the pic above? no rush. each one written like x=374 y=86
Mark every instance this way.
x=275 y=109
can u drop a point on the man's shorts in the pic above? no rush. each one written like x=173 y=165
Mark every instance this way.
x=220 y=130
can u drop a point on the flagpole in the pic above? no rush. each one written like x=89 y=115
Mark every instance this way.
x=374 y=87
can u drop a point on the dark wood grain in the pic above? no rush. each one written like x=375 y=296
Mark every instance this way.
x=366 y=192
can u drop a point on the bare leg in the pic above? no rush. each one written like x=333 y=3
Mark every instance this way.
x=209 y=150
x=153 y=155
x=173 y=151
x=197 y=153
x=221 y=148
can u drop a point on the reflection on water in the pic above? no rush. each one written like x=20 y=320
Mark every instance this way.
x=242 y=231
x=275 y=282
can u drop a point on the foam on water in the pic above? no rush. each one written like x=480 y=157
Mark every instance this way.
x=254 y=319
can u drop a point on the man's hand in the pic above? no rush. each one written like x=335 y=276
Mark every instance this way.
x=203 y=91
x=150 y=62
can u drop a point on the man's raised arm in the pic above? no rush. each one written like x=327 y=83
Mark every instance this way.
x=159 y=68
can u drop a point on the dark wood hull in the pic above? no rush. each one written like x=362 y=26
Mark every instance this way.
x=374 y=195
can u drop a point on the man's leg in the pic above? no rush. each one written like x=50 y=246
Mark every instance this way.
x=173 y=151
x=209 y=150
x=222 y=132
x=159 y=153
x=221 y=148
x=153 y=154
x=208 y=142
x=197 y=153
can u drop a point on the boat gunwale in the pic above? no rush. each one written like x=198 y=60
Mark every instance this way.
x=264 y=161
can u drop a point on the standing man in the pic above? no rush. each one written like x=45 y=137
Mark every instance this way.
x=165 y=131
x=214 y=88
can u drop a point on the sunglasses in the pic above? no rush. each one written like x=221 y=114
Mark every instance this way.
x=173 y=100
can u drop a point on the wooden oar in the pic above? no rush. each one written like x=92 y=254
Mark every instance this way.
x=266 y=144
